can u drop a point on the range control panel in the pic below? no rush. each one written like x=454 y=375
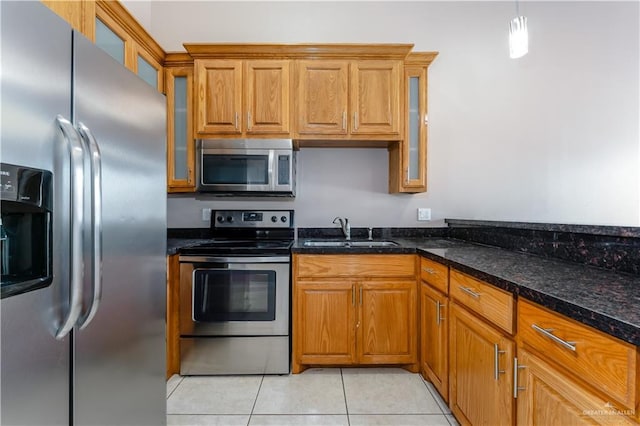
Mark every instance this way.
x=252 y=218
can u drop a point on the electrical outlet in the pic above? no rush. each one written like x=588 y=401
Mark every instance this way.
x=424 y=214
x=206 y=214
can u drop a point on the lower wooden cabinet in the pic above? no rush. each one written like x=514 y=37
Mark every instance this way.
x=173 y=315
x=325 y=312
x=351 y=309
x=546 y=397
x=434 y=339
x=481 y=371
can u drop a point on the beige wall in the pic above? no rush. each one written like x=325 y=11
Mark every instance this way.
x=551 y=137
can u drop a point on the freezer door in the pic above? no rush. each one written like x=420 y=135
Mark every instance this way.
x=35 y=87
x=119 y=365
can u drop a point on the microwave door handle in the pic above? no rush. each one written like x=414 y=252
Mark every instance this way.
x=272 y=167
x=76 y=154
x=96 y=223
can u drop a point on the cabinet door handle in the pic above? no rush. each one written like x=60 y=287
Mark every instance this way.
x=360 y=295
x=470 y=292
x=237 y=120
x=516 y=367
x=548 y=333
x=344 y=120
x=189 y=175
x=496 y=361
x=438 y=306
x=429 y=271
x=248 y=120
x=408 y=177
x=353 y=295
x=355 y=120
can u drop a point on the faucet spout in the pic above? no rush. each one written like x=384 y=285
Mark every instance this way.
x=344 y=225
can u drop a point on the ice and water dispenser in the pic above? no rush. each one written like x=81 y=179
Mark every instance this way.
x=25 y=229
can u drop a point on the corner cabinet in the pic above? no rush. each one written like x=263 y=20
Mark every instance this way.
x=408 y=159
x=242 y=98
x=354 y=310
x=180 y=140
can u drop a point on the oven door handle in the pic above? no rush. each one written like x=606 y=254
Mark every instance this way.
x=209 y=259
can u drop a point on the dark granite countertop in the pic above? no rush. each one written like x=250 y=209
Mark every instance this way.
x=175 y=244
x=606 y=300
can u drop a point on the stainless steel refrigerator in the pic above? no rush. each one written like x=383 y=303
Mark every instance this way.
x=88 y=349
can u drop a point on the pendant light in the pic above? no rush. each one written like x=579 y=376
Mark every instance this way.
x=518 y=35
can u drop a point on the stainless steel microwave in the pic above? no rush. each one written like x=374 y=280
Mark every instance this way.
x=246 y=166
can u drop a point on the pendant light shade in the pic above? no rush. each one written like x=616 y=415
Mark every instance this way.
x=518 y=37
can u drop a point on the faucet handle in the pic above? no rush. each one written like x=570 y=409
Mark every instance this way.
x=370 y=230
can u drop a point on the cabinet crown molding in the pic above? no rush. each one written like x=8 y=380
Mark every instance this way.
x=301 y=50
x=178 y=59
x=420 y=58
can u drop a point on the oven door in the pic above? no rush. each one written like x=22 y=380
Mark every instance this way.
x=234 y=297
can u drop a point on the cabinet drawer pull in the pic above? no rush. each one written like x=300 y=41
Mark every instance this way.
x=516 y=367
x=470 y=292
x=548 y=333
x=428 y=270
x=496 y=362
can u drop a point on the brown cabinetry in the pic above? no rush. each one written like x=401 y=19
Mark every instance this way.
x=408 y=159
x=349 y=98
x=481 y=370
x=547 y=397
x=354 y=309
x=173 y=315
x=237 y=97
x=180 y=140
x=602 y=372
x=434 y=339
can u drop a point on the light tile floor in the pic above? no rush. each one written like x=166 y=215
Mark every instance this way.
x=319 y=396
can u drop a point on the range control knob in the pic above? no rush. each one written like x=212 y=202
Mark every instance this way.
x=220 y=219
x=274 y=219
x=230 y=219
x=283 y=219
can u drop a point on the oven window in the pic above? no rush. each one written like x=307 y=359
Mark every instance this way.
x=234 y=295
x=235 y=169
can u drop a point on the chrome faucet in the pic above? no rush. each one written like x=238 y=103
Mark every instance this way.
x=346 y=228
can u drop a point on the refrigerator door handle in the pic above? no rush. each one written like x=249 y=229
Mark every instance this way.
x=76 y=155
x=96 y=223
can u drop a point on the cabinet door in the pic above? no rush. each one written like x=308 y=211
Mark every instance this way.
x=267 y=97
x=387 y=323
x=434 y=340
x=414 y=145
x=375 y=98
x=219 y=96
x=481 y=371
x=324 y=322
x=322 y=97
x=548 y=398
x=180 y=142
x=147 y=68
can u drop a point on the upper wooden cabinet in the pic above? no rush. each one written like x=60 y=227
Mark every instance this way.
x=79 y=14
x=348 y=98
x=236 y=97
x=180 y=140
x=408 y=159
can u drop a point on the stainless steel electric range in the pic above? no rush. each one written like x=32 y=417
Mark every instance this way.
x=235 y=293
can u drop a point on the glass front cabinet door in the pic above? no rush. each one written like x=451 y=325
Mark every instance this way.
x=180 y=142
x=408 y=158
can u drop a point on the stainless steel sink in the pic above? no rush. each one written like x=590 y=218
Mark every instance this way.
x=324 y=243
x=317 y=243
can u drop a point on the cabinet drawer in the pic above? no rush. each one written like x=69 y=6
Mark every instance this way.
x=354 y=265
x=494 y=304
x=435 y=274
x=605 y=362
